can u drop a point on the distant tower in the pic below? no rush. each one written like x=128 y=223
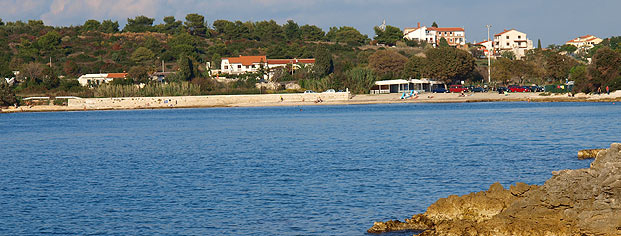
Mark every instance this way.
x=383 y=26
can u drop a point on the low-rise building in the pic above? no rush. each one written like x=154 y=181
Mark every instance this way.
x=97 y=79
x=513 y=41
x=253 y=64
x=585 y=42
x=455 y=36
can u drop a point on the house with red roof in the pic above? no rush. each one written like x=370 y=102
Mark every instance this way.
x=252 y=64
x=585 y=42
x=455 y=36
x=97 y=79
x=513 y=41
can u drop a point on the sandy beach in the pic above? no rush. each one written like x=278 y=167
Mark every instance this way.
x=349 y=99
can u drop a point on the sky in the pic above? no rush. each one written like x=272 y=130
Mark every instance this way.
x=552 y=21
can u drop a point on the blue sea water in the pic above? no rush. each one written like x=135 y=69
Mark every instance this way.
x=313 y=170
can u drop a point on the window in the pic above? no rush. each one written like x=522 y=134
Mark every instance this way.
x=451 y=40
x=507 y=36
x=507 y=44
x=238 y=66
x=226 y=67
x=451 y=33
x=519 y=36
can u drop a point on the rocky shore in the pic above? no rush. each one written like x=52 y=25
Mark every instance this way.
x=572 y=202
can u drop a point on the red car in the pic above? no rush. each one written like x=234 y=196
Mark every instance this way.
x=458 y=89
x=518 y=89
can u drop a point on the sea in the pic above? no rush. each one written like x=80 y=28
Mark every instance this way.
x=299 y=170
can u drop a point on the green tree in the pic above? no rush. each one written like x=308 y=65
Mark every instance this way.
x=139 y=74
x=578 y=74
x=268 y=31
x=538 y=43
x=434 y=24
x=449 y=64
x=360 y=79
x=508 y=54
x=91 y=25
x=195 y=24
x=109 y=26
x=49 y=41
x=387 y=64
x=292 y=30
x=324 y=64
x=388 y=36
x=142 y=55
x=501 y=70
x=216 y=60
x=7 y=95
x=443 y=43
x=605 y=70
x=557 y=66
x=568 y=48
x=346 y=34
x=139 y=24
x=311 y=33
x=415 y=67
x=170 y=26
x=186 y=68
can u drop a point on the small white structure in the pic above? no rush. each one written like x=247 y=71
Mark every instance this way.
x=487 y=46
x=513 y=41
x=252 y=64
x=585 y=42
x=402 y=86
x=10 y=81
x=97 y=79
x=454 y=36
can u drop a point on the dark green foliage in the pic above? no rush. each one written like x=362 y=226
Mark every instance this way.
x=558 y=66
x=142 y=55
x=311 y=33
x=606 y=69
x=415 y=67
x=91 y=25
x=387 y=64
x=139 y=74
x=7 y=95
x=49 y=41
x=346 y=34
x=434 y=24
x=443 y=43
x=360 y=79
x=324 y=64
x=186 y=69
x=292 y=30
x=388 y=36
x=538 y=43
x=568 y=48
x=170 y=26
x=139 y=24
x=449 y=64
x=109 y=26
x=195 y=24
x=268 y=31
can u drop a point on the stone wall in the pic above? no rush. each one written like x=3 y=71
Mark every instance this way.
x=202 y=101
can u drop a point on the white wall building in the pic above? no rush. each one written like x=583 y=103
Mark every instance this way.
x=585 y=42
x=97 y=79
x=513 y=41
x=252 y=64
x=454 y=36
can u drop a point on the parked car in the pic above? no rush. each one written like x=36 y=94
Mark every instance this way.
x=501 y=89
x=535 y=88
x=458 y=88
x=479 y=90
x=309 y=91
x=330 y=91
x=518 y=89
x=439 y=90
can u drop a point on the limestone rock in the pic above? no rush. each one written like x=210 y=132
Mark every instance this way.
x=572 y=202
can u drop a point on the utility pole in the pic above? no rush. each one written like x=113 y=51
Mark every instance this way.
x=489 y=60
x=163 y=68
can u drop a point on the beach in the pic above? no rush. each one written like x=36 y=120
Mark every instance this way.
x=301 y=99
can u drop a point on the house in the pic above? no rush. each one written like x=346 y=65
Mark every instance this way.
x=584 y=42
x=404 y=86
x=486 y=46
x=512 y=41
x=455 y=36
x=97 y=79
x=253 y=64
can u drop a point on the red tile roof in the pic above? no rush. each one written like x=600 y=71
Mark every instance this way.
x=504 y=31
x=117 y=75
x=247 y=60
x=480 y=43
x=290 y=61
x=447 y=29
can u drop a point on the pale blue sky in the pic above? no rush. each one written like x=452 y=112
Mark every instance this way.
x=552 y=21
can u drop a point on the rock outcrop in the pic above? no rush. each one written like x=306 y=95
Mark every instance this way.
x=572 y=202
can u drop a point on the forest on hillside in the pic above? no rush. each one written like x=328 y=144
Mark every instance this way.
x=51 y=58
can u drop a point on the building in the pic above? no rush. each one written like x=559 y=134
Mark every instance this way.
x=585 y=42
x=454 y=36
x=512 y=41
x=404 y=86
x=486 y=46
x=252 y=64
x=97 y=79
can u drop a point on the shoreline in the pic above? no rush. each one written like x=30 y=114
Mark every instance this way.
x=267 y=100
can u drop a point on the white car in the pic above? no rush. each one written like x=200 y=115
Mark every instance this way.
x=330 y=91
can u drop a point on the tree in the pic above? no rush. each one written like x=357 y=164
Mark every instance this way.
x=195 y=24
x=32 y=71
x=139 y=24
x=501 y=70
x=109 y=26
x=578 y=74
x=449 y=64
x=388 y=36
x=346 y=34
x=568 y=48
x=415 y=67
x=311 y=33
x=387 y=64
x=268 y=31
x=292 y=30
x=7 y=95
x=508 y=54
x=49 y=41
x=558 y=66
x=324 y=64
x=170 y=26
x=142 y=55
x=605 y=70
x=434 y=24
x=91 y=25
x=443 y=43
x=538 y=43
x=140 y=74
x=186 y=68
x=360 y=79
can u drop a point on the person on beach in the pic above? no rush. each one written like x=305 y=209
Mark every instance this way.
x=599 y=90
x=607 y=90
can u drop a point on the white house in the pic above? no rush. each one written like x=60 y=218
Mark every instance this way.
x=454 y=36
x=97 y=79
x=486 y=46
x=252 y=64
x=513 y=41
x=585 y=42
